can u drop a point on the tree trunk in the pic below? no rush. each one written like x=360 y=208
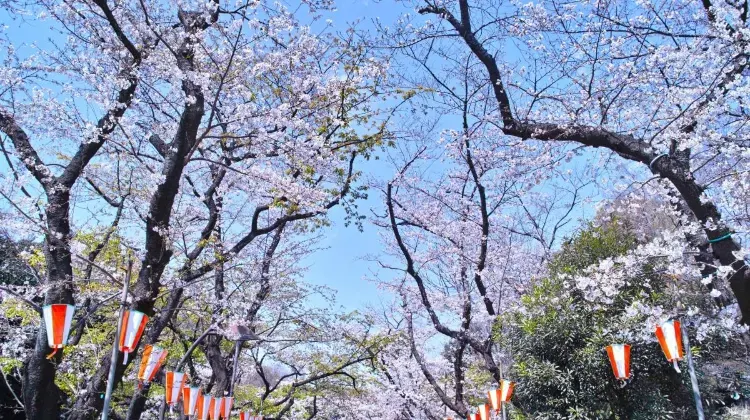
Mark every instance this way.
x=40 y=393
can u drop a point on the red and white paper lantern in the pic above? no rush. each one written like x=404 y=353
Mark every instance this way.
x=151 y=360
x=133 y=323
x=494 y=397
x=226 y=406
x=484 y=412
x=670 y=339
x=175 y=384
x=247 y=415
x=619 y=357
x=190 y=397
x=473 y=416
x=214 y=411
x=203 y=406
x=57 y=320
x=506 y=390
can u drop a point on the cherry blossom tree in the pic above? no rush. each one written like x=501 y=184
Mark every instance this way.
x=190 y=130
x=643 y=99
x=658 y=85
x=463 y=237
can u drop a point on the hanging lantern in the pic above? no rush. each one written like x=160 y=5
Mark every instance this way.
x=190 y=397
x=506 y=390
x=57 y=320
x=247 y=415
x=133 y=323
x=670 y=340
x=495 y=399
x=203 y=406
x=174 y=386
x=214 y=408
x=473 y=416
x=484 y=412
x=151 y=360
x=226 y=406
x=619 y=357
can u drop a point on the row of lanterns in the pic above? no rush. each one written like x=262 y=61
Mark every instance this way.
x=497 y=398
x=58 y=319
x=670 y=340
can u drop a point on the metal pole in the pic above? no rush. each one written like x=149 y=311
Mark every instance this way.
x=237 y=346
x=693 y=377
x=115 y=350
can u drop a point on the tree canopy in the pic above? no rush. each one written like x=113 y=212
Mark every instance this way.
x=544 y=179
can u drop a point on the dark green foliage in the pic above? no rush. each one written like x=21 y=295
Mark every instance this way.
x=558 y=344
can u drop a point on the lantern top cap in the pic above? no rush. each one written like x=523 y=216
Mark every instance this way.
x=135 y=310
x=53 y=304
x=243 y=333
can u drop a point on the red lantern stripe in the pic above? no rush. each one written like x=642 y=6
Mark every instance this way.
x=226 y=406
x=678 y=338
x=214 y=410
x=190 y=397
x=203 y=406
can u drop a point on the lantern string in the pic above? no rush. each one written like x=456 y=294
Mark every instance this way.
x=676 y=366
x=125 y=359
x=51 y=355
